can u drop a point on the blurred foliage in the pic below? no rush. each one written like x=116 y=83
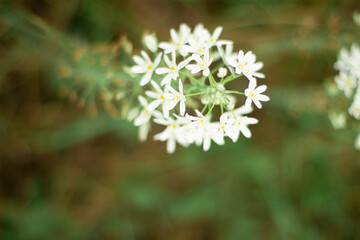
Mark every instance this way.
x=65 y=174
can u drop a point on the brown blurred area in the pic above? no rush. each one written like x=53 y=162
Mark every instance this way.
x=294 y=179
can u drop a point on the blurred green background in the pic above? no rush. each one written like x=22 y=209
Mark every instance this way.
x=68 y=174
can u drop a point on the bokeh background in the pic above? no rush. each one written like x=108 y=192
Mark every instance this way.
x=70 y=173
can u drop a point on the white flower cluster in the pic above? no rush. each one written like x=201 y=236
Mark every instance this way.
x=178 y=78
x=348 y=81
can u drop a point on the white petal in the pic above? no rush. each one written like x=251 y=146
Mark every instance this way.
x=139 y=60
x=162 y=70
x=138 y=69
x=171 y=145
x=146 y=78
x=207 y=143
x=182 y=108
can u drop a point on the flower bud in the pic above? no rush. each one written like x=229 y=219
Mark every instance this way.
x=222 y=72
x=150 y=42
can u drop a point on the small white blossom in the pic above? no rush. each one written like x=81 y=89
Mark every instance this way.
x=354 y=109
x=172 y=70
x=174 y=97
x=227 y=127
x=213 y=39
x=145 y=65
x=178 y=40
x=346 y=83
x=245 y=64
x=159 y=97
x=241 y=123
x=146 y=113
x=196 y=46
x=173 y=133
x=254 y=94
x=202 y=131
x=202 y=64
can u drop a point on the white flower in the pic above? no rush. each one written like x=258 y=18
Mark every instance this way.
x=159 y=97
x=245 y=64
x=227 y=128
x=222 y=72
x=145 y=65
x=241 y=123
x=178 y=40
x=349 y=61
x=212 y=40
x=172 y=70
x=253 y=94
x=354 y=109
x=174 y=97
x=196 y=46
x=346 y=82
x=145 y=114
x=173 y=133
x=202 y=131
x=202 y=64
x=150 y=42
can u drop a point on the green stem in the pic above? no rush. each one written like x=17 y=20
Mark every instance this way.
x=212 y=106
x=202 y=111
x=235 y=92
x=194 y=94
x=191 y=77
x=232 y=77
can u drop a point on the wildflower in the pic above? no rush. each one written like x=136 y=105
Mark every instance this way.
x=203 y=131
x=145 y=65
x=241 y=123
x=346 y=83
x=173 y=133
x=179 y=39
x=212 y=40
x=172 y=70
x=196 y=87
x=174 y=97
x=159 y=97
x=354 y=109
x=246 y=65
x=254 y=95
x=202 y=64
x=145 y=114
x=227 y=127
